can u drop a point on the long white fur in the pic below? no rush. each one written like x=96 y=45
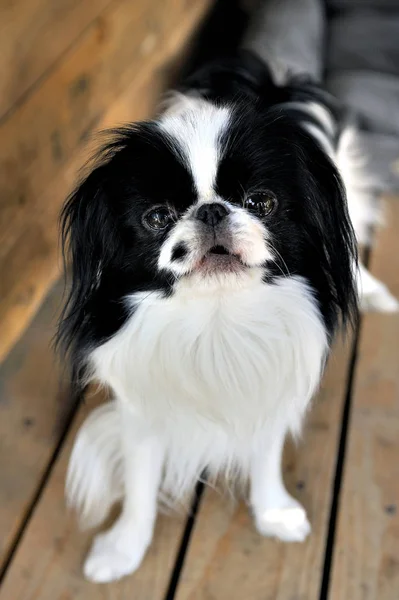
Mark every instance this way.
x=95 y=484
x=211 y=377
x=212 y=373
x=215 y=378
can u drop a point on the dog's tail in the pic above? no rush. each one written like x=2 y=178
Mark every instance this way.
x=363 y=202
x=95 y=477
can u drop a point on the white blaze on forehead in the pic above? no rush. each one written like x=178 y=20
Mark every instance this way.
x=197 y=125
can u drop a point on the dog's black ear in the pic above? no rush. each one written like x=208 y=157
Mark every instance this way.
x=241 y=75
x=329 y=231
x=91 y=244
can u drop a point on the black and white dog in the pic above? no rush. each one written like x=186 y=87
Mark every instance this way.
x=213 y=259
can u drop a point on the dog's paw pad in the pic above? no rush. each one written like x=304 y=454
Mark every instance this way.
x=106 y=562
x=288 y=524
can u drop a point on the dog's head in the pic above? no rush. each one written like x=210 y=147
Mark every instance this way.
x=213 y=193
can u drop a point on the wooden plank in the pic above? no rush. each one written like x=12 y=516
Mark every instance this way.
x=117 y=48
x=228 y=559
x=366 y=552
x=121 y=52
x=48 y=562
x=31 y=414
x=34 y=34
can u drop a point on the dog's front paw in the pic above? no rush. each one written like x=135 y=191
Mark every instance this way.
x=288 y=522
x=113 y=555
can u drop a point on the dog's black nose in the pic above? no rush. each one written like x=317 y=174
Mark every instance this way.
x=211 y=214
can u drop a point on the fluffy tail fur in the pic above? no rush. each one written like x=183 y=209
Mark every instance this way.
x=365 y=211
x=95 y=472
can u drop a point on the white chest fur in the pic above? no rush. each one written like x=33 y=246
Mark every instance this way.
x=213 y=373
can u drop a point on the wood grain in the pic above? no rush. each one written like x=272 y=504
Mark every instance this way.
x=48 y=562
x=366 y=554
x=228 y=560
x=31 y=414
x=34 y=34
x=108 y=73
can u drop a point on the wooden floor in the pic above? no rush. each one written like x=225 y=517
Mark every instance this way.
x=69 y=67
x=346 y=473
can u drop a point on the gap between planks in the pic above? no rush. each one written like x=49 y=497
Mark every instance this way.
x=342 y=446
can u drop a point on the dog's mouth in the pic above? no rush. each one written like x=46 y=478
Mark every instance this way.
x=220 y=259
x=219 y=251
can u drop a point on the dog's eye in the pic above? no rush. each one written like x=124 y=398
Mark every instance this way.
x=159 y=218
x=262 y=203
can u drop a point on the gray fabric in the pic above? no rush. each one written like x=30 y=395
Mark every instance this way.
x=364 y=39
x=289 y=36
x=360 y=64
x=362 y=70
x=380 y=4
x=382 y=159
x=373 y=95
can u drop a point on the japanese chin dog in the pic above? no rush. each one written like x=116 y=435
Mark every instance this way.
x=213 y=259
